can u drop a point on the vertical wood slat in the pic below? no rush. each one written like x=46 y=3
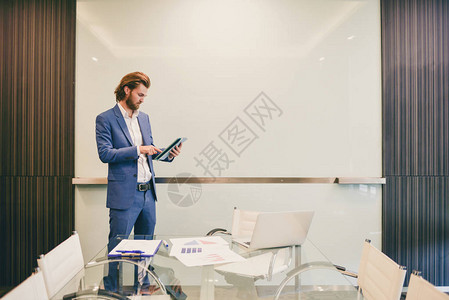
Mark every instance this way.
x=37 y=73
x=415 y=70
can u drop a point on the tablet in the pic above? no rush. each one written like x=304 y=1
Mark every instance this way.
x=164 y=154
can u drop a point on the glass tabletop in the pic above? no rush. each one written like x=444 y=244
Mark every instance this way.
x=276 y=273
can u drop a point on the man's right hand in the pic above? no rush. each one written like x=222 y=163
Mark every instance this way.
x=150 y=150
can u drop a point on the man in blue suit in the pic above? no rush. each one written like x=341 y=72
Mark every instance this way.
x=125 y=143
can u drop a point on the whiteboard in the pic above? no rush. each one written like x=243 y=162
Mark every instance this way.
x=260 y=88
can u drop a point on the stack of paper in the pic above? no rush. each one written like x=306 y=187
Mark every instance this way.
x=136 y=248
x=203 y=251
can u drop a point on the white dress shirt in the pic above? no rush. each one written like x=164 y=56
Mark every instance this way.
x=143 y=170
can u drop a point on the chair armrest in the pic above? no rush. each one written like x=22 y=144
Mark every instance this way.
x=218 y=231
x=107 y=261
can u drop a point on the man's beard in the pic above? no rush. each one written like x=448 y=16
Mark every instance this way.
x=130 y=104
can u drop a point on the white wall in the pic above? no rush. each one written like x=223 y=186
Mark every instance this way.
x=317 y=61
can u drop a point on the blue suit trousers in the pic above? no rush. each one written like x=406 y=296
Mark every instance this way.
x=142 y=216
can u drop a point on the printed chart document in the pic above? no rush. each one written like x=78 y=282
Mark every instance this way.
x=203 y=251
x=136 y=248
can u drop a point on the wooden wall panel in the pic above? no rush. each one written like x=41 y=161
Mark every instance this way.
x=415 y=60
x=37 y=74
x=417 y=236
x=415 y=70
x=38 y=216
x=37 y=95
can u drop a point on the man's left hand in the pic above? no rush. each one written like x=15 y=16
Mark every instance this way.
x=175 y=151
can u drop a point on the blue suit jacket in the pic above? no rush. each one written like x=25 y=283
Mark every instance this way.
x=116 y=148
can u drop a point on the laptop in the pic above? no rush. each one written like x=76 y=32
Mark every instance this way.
x=278 y=229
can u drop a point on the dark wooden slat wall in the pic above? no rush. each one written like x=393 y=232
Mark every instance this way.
x=415 y=70
x=37 y=72
x=417 y=236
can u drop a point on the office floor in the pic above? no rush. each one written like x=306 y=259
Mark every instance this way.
x=226 y=293
x=268 y=293
x=194 y=293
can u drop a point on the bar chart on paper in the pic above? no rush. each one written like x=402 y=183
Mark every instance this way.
x=203 y=251
x=187 y=250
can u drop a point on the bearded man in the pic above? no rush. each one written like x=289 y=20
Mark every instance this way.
x=125 y=143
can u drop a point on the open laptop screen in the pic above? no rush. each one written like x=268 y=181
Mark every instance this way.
x=279 y=229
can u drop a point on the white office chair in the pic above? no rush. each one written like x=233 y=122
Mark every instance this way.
x=262 y=266
x=33 y=288
x=421 y=289
x=243 y=223
x=61 y=264
x=379 y=277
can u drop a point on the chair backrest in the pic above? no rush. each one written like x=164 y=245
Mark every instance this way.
x=61 y=264
x=33 y=288
x=243 y=222
x=421 y=289
x=380 y=278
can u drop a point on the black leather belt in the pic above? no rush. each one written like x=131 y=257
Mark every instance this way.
x=143 y=187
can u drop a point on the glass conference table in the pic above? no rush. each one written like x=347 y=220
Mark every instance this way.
x=299 y=272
